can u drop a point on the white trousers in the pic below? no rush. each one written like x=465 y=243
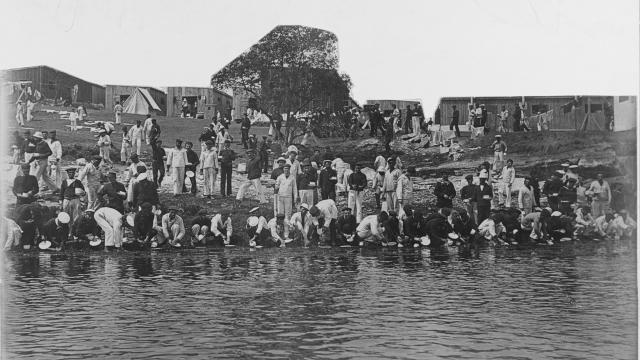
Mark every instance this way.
x=110 y=221
x=178 y=180
x=210 y=175
x=136 y=144
x=245 y=186
x=355 y=203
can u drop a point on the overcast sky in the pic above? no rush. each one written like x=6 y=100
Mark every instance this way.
x=391 y=49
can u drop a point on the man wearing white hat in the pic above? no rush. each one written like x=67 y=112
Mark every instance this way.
x=110 y=221
x=71 y=193
x=56 y=230
x=41 y=156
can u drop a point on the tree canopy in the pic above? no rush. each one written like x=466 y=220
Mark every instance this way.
x=298 y=63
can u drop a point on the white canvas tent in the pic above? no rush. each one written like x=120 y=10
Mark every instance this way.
x=140 y=102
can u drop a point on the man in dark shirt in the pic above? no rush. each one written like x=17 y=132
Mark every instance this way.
x=482 y=197
x=455 y=120
x=193 y=161
x=56 y=230
x=437 y=227
x=357 y=182
x=327 y=181
x=244 y=130
x=346 y=226
x=552 y=189
x=277 y=123
x=157 y=161
x=227 y=156
x=264 y=154
x=144 y=191
x=154 y=132
x=85 y=227
x=25 y=186
x=114 y=192
x=444 y=192
x=467 y=196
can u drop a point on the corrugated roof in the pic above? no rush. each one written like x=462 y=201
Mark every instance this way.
x=52 y=68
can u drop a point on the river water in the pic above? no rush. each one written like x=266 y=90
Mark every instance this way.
x=577 y=302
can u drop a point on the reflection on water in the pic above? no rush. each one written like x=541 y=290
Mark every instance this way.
x=533 y=303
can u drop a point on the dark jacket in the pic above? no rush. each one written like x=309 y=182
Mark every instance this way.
x=467 y=192
x=54 y=232
x=143 y=224
x=228 y=156
x=437 y=227
x=193 y=158
x=411 y=227
x=254 y=169
x=346 y=224
x=357 y=181
x=443 y=189
x=145 y=191
x=479 y=194
x=114 y=200
x=43 y=151
x=23 y=184
x=245 y=124
x=327 y=180
x=304 y=179
x=552 y=187
x=69 y=191
x=85 y=224
x=276 y=172
x=157 y=153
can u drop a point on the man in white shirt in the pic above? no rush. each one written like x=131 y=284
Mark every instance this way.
x=221 y=227
x=104 y=143
x=118 y=112
x=276 y=226
x=136 y=133
x=325 y=215
x=301 y=223
x=209 y=163
x=177 y=160
x=54 y=158
x=287 y=190
x=370 y=228
x=131 y=175
x=258 y=231
x=73 y=121
x=147 y=129
x=508 y=177
x=601 y=196
x=503 y=125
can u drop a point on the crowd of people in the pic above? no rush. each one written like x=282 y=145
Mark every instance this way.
x=98 y=210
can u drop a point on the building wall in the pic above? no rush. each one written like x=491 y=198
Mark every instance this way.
x=54 y=84
x=210 y=101
x=113 y=93
x=625 y=112
x=561 y=120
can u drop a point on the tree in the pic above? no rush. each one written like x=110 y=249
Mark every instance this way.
x=288 y=69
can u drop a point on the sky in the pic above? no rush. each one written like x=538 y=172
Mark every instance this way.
x=391 y=49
